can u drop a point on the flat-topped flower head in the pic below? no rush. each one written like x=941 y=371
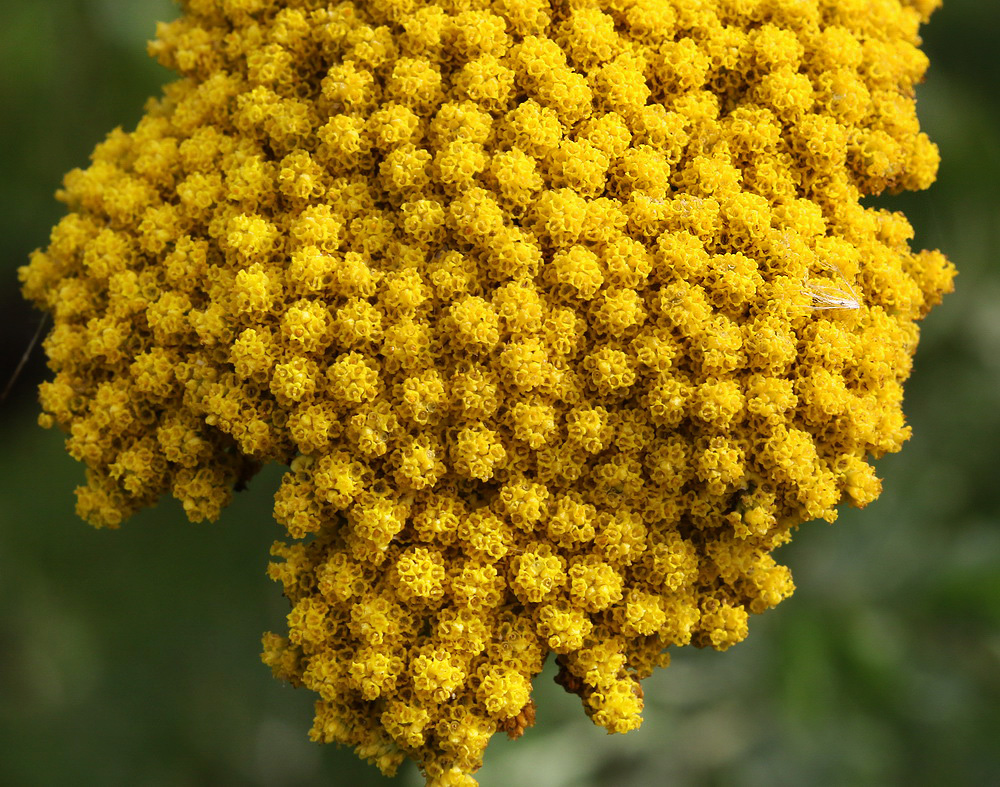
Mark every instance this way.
x=561 y=315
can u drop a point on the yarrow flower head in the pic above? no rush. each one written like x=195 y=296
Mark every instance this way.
x=562 y=315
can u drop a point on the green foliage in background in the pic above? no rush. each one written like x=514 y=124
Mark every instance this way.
x=131 y=657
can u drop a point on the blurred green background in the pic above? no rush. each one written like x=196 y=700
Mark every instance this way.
x=131 y=657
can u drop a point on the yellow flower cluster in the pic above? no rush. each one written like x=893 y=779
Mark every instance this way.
x=562 y=314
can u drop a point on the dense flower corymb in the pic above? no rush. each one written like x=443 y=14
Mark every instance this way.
x=562 y=316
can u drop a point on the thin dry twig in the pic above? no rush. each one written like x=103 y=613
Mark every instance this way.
x=24 y=358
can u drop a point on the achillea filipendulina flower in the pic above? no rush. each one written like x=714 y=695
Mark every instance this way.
x=562 y=316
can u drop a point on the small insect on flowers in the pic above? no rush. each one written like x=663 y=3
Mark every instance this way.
x=831 y=295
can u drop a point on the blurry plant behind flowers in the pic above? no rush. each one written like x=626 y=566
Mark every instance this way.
x=132 y=657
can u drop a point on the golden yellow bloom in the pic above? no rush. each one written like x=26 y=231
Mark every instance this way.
x=562 y=316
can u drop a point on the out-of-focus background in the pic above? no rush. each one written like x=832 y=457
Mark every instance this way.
x=130 y=657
